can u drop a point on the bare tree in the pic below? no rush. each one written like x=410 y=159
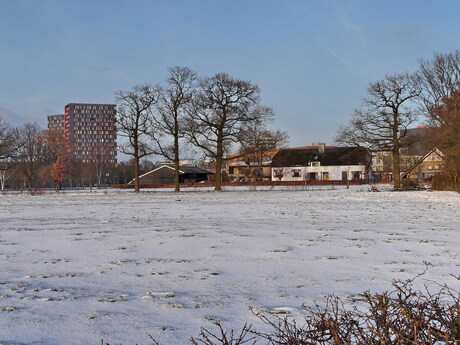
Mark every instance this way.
x=56 y=144
x=101 y=165
x=257 y=137
x=6 y=140
x=7 y=150
x=222 y=107
x=32 y=151
x=382 y=121
x=171 y=109
x=438 y=79
x=7 y=170
x=257 y=144
x=134 y=121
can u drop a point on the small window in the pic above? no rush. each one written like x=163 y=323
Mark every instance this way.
x=278 y=172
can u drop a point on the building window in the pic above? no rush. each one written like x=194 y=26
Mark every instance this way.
x=278 y=173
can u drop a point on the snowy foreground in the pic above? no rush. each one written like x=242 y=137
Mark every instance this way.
x=78 y=268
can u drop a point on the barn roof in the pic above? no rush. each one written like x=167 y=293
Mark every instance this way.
x=188 y=169
x=183 y=169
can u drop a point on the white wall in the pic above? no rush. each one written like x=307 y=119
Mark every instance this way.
x=334 y=172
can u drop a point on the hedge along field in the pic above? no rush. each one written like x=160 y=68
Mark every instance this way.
x=78 y=268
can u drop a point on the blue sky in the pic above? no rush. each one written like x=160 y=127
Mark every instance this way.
x=312 y=59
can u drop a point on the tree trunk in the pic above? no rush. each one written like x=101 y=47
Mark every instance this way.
x=30 y=182
x=218 y=176
x=219 y=160
x=396 y=146
x=98 y=176
x=136 y=169
x=136 y=174
x=176 y=164
x=3 y=180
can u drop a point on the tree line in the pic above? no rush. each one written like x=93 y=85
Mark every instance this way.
x=215 y=114
x=31 y=157
x=220 y=113
x=393 y=104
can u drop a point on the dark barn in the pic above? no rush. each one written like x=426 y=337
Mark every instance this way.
x=165 y=175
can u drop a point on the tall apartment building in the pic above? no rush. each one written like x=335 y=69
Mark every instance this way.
x=89 y=131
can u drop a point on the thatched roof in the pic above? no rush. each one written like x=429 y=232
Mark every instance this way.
x=330 y=156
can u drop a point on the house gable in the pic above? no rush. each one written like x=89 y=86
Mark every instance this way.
x=429 y=164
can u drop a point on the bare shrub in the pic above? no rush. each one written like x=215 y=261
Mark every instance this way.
x=223 y=337
x=401 y=316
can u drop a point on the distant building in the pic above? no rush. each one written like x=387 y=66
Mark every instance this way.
x=417 y=141
x=250 y=166
x=204 y=163
x=56 y=122
x=415 y=144
x=382 y=166
x=164 y=174
x=89 y=132
x=431 y=164
x=320 y=163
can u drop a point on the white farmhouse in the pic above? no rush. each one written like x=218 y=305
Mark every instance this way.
x=320 y=163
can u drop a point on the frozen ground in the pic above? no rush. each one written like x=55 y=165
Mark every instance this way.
x=78 y=268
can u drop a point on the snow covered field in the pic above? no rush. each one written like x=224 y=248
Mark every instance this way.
x=78 y=268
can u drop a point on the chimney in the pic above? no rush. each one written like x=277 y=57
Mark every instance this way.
x=321 y=147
